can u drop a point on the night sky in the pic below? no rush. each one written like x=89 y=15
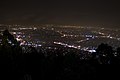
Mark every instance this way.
x=82 y=12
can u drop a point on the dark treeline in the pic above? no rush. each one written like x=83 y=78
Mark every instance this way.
x=29 y=64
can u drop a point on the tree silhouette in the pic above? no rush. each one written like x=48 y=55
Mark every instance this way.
x=118 y=51
x=117 y=56
x=105 y=53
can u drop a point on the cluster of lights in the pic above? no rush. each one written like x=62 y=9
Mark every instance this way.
x=68 y=34
x=67 y=45
x=34 y=28
x=24 y=43
x=89 y=50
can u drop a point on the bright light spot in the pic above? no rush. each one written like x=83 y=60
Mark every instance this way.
x=34 y=28
x=18 y=39
x=87 y=39
x=39 y=45
x=14 y=32
x=91 y=51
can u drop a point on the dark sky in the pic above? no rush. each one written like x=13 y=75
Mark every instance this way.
x=82 y=12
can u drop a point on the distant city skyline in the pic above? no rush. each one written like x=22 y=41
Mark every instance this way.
x=82 y=12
